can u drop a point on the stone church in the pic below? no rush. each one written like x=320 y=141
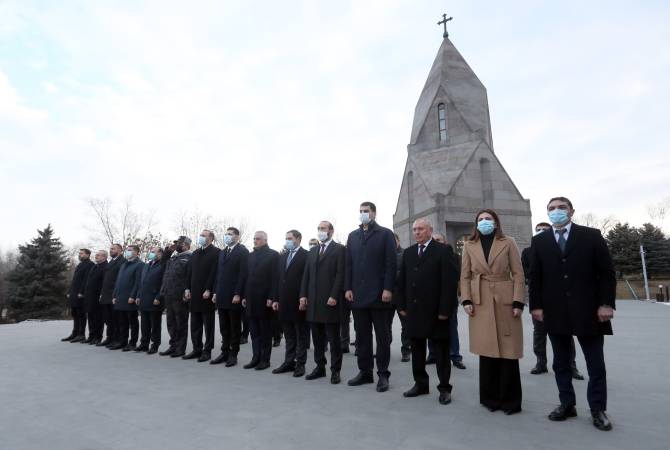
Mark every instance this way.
x=451 y=170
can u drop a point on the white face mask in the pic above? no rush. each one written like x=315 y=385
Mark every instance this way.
x=323 y=236
x=365 y=218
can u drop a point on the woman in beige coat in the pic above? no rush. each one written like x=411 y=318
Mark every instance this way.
x=492 y=292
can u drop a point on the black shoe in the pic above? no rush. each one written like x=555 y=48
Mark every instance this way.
x=169 y=351
x=345 y=349
x=335 y=378
x=576 y=375
x=262 y=365
x=222 y=358
x=406 y=357
x=95 y=341
x=112 y=344
x=276 y=342
x=360 y=379
x=251 y=364
x=601 y=421
x=205 y=356
x=415 y=391
x=80 y=338
x=284 y=368
x=490 y=408
x=177 y=354
x=299 y=371
x=104 y=343
x=117 y=346
x=445 y=398
x=244 y=340
x=152 y=350
x=69 y=338
x=192 y=355
x=539 y=369
x=562 y=412
x=509 y=412
x=318 y=372
x=232 y=361
x=353 y=344
x=458 y=365
x=142 y=348
x=87 y=340
x=129 y=348
x=383 y=384
x=430 y=360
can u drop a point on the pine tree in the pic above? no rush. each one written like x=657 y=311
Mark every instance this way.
x=624 y=244
x=37 y=285
x=657 y=249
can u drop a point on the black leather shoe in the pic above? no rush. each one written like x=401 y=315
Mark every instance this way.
x=383 y=384
x=318 y=372
x=562 y=412
x=445 y=398
x=222 y=358
x=262 y=365
x=490 y=408
x=205 y=356
x=458 y=365
x=152 y=350
x=345 y=349
x=415 y=391
x=94 y=342
x=509 y=412
x=244 y=340
x=360 y=379
x=77 y=339
x=169 y=351
x=69 y=338
x=576 y=375
x=104 y=343
x=299 y=371
x=112 y=344
x=251 y=364
x=177 y=354
x=276 y=342
x=129 y=348
x=87 y=340
x=232 y=361
x=538 y=369
x=601 y=421
x=192 y=355
x=335 y=378
x=116 y=346
x=430 y=360
x=285 y=368
x=406 y=357
x=142 y=348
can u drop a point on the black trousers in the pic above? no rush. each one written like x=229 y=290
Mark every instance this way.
x=95 y=323
x=592 y=346
x=540 y=345
x=78 y=320
x=109 y=321
x=296 y=334
x=277 y=328
x=329 y=333
x=245 y=324
x=499 y=383
x=405 y=341
x=261 y=337
x=177 y=323
x=230 y=327
x=128 y=321
x=202 y=321
x=364 y=321
x=442 y=362
x=345 y=337
x=151 y=328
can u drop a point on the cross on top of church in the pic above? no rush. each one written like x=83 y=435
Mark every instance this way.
x=444 y=21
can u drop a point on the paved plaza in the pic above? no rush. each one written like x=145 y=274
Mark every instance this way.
x=57 y=395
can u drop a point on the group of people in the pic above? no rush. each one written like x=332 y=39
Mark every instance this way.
x=566 y=277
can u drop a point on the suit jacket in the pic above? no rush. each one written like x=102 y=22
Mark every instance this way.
x=111 y=273
x=94 y=286
x=324 y=278
x=231 y=275
x=571 y=287
x=200 y=278
x=427 y=287
x=126 y=285
x=149 y=285
x=78 y=284
x=288 y=286
x=262 y=278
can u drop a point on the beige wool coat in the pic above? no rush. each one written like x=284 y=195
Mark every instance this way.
x=492 y=287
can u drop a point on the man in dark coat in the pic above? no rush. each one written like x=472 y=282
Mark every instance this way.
x=427 y=291
x=149 y=302
x=125 y=292
x=75 y=297
x=262 y=278
x=405 y=344
x=109 y=316
x=370 y=271
x=322 y=292
x=199 y=287
x=287 y=305
x=572 y=287
x=231 y=275
x=92 y=298
x=172 y=295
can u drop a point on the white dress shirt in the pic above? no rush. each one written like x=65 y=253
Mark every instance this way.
x=567 y=231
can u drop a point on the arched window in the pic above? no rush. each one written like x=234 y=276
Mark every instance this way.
x=442 y=118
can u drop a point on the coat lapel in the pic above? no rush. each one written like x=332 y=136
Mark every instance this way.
x=427 y=252
x=479 y=254
x=572 y=238
x=496 y=248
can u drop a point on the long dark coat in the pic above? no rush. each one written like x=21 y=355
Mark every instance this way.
x=289 y=281
x=78 y=284
x=149 y=286
x=571 y=287
x=108 y=283
x=94 y=286
x=126 y=284
x=262 y=279
x=200 y=278
x=427 y=287
x=231 y=275
x=324 y=278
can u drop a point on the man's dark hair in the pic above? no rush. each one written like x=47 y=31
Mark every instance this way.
x=561 y=199
x=330 y=225
x=235 y=231
x=85 y=250
x=296 y=234
x=211 y=235
x=135 y=247
x=118 y=245
x=542 y=224
x=396 y=235
x=372 y=206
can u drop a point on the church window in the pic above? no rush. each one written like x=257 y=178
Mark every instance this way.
x=442 y=118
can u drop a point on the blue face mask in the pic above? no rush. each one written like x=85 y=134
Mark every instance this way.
x=290 y=245
x=202 y=241
x=151 y=256
x=486 y=226
x=558 y=216
x=127 y=254
x=227 y=239
x=364 y=217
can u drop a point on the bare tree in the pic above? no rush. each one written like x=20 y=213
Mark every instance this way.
x=659 y=211
x=191 y=223
x=604 y=224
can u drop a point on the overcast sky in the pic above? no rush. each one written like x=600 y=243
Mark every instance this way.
x=290 y=112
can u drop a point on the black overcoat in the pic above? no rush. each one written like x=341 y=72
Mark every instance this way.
x=126 y=285
x=231 y=275
x=289 y=281
x=78 y=284
x=108 y=283
x=94 y=286
x=262 y=278
x=200 y=278
x=149 y=286
x=324 y=278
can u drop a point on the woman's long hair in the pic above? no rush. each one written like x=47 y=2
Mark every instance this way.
x=498 y=232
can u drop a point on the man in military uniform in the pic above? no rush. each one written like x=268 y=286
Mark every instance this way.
x=172 y=294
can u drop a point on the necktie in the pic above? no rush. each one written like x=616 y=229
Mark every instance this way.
x=323 y=249
x=289 y=258
x=561 y=239
x=421 y=247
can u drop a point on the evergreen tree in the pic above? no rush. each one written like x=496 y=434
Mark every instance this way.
x=37 y=285
x=657 y=250
x=624 y=244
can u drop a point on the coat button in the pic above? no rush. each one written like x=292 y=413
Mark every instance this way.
x=565 y=276
x=564 y=260
x=567 y=294
x=414 y=301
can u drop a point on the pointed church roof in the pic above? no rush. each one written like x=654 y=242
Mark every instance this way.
x=452 y=75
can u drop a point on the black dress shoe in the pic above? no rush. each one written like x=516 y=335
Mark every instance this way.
x=116 y=346
x=86 y=341
x=232 y=361
x=129 y=348
x=491 y=408
x=167 y=352
x=406 y=357
x=511 y=411
x=251 y=364
x=112 y=344
x=458 y=365
x=299 y=371
x=284 y=368
x=538 y=369
x=142 y=348
x=152 y=350
x=262 y=365
x=69 y=338
x=78 y=339
x=177 y=354
x=94 y=342
x=318 y=372
x=104 y=343
x=430 y=360
x=601 y=421
x=562 y=412
x=222 y=358
x=360 y=379
x=205 y=356
x=192 y=355
x=445 y=398
x=345 y=349
x=576 y=375
x=335 y=378
x=276 y=342
x=383 y=384
x=415 y=391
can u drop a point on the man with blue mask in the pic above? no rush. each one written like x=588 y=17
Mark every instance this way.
x=125 y=292
x=572 y=289
x=109 y=316
x=149 y=301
